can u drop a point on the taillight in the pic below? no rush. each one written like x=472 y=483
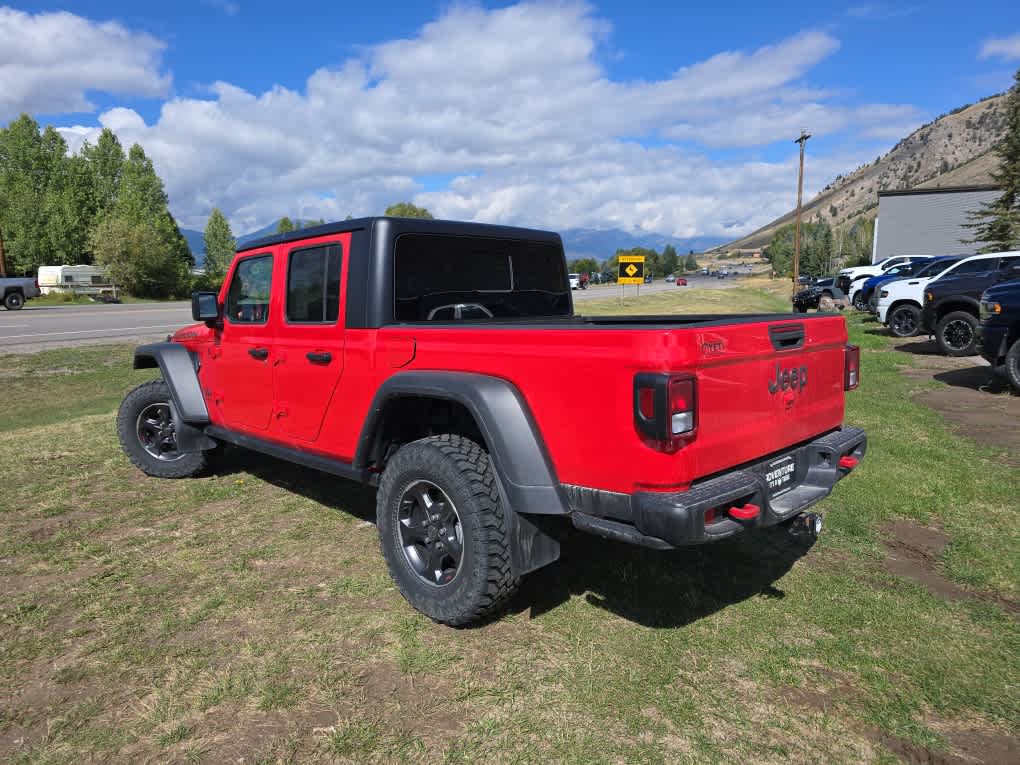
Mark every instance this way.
x=665 y=410
x=851 y=367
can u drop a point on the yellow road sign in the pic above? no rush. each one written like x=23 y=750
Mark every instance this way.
x=631 y=269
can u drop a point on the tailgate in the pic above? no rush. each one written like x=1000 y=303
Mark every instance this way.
x=764 y=386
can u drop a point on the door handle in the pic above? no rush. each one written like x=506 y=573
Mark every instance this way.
x=319 y=358
x=259 y=353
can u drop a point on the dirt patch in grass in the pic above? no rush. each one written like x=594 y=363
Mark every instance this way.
x=979 y=745
x=986 y=419
x=976 y=402
x=970 y=747
x=417 y=705
x=972 y=744
x=914 y=551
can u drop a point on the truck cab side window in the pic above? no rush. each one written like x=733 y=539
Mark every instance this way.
x=248 y=296
x=974 y=267
x=313 y=285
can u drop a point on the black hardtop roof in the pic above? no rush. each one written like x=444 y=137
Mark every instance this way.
x=404 y=226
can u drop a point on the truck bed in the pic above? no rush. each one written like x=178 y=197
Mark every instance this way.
x=577 y=375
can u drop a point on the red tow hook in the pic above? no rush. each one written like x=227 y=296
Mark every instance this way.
x=745 y=513
x=848 y=462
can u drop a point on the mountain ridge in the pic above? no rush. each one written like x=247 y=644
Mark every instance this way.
x=954 y=149
x=598 y=243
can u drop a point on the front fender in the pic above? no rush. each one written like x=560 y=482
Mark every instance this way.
x=178 y=371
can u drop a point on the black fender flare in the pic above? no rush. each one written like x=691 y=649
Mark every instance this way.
x=515 y=446
x=525 y=476
x=177 y=367
x=951 y=303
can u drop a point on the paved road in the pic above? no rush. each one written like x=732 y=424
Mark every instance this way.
x=613 y=290
x=34 y=328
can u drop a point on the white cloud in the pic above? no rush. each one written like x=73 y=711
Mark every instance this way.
x=514 y=103
x=50 y=61
x=1005 y=48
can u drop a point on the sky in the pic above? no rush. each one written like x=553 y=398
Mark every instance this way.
x=664 y=117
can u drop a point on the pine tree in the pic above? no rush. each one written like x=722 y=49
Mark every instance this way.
x=669 y=260
x=219 y=246
x=997 y=224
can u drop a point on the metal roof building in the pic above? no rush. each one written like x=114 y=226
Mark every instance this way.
x=928 y=221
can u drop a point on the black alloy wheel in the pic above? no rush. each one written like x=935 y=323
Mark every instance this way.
x=956 y=334
x=905 y=321
x=147 y=429
x=444 y=531
x=431 y=533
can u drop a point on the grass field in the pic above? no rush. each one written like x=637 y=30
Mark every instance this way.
x=248 y=616
x=759 y=296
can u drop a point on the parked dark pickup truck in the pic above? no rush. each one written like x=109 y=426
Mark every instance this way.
x=999 y=331
x=952 y=303
x=443 y=363
x=14 y=291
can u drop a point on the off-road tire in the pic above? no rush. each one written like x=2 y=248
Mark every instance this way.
x=461 y=469
x=146 y=395
x=1011 y=368
x=905 y=321
x=859 y=300
x=13 y=301
x=947 y=325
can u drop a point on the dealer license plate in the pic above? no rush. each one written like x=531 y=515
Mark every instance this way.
x=779 y=474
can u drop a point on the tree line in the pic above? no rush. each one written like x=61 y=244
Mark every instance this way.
x=656 y=264
x=99 y=205
x=823 y=249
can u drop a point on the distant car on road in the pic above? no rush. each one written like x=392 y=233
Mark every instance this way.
x=681 y=282
x=14 y=291
x=671 y=278
x=648 y=279
x=575 y=281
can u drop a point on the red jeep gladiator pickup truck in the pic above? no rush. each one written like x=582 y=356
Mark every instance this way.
x=442 y=362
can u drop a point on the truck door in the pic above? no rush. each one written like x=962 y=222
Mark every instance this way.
x=310 y=340
x=243 y=387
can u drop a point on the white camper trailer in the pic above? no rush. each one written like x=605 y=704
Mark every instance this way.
x=77 y=280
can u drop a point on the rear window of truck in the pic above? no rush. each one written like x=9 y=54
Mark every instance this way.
x=450 y=278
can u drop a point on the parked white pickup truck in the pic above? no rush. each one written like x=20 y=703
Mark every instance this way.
x=14 y=291
x=850 y=280
x=900 y=302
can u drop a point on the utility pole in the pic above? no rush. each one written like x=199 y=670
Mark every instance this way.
x=804 y=135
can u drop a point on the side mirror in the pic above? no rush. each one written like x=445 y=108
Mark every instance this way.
x=205 y=307
x=1013 y=272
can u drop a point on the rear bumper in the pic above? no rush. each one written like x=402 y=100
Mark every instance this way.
x=674 y=519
